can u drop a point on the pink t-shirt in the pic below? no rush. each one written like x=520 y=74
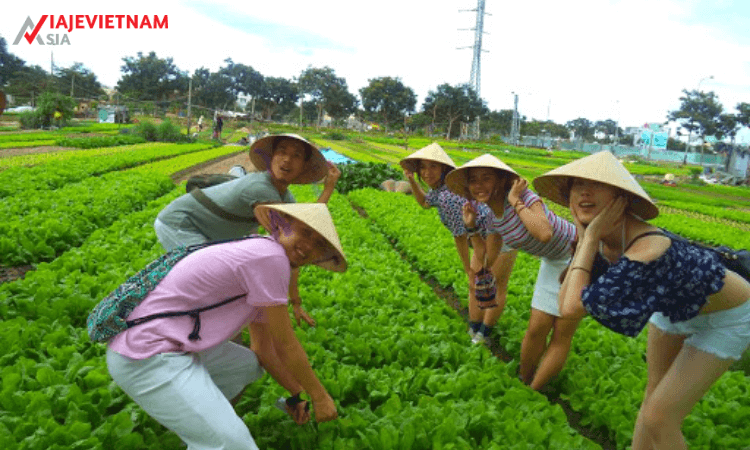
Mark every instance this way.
x=258 y=267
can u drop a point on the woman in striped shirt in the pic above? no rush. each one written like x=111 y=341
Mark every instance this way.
x=523 y=222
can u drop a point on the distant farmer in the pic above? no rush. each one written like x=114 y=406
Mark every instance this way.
x=218 y=126
x=200 y=123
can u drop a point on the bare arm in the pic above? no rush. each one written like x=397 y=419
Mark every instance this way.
x=493 y=245
x=416 y=189
x=330 y=182
x=262 y=344
x=296 y=300
x=290 y=351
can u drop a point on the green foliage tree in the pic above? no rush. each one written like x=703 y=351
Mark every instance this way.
x=743 y=114
x=608 y=127
x=54 y=108
x=28 y=83
x=387 y=100
x=9 y=63
x=327 y=91
x=497 y=121
x=699 y=113
x=453 y=104
x=277 y=96
x=213 y=90
x=582 y=127
x=728 y=127
x=244 y=79
x=78 y=80
x=151 y=78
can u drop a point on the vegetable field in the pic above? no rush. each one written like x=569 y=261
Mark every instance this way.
x=394 y=355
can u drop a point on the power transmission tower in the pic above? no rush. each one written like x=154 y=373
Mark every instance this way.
x=476 y=62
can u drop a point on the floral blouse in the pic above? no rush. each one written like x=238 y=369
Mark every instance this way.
x=449 y=206
x=677 y=284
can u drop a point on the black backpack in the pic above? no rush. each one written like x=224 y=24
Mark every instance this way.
x=205 y=180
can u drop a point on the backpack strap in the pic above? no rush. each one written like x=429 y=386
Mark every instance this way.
x=194 y=313
x=210 y=205
x=647 y=233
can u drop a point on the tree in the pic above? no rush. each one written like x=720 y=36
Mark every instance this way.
x=453 y=104
x=498 y=121
x=699 y=113
x=387 y=100
x=608 y=127
x=339 y=103
x=729 y=126
x=9 y=63
x=583 y=128
x=151 y=78
x=29 y=82
x=78 y=80
x=328 y=92
x=743 y=114
x=54 y=108
x=244 y=79
x=212 y=89
x=277 y=96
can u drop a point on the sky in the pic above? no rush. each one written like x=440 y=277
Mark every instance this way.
x=625 y=60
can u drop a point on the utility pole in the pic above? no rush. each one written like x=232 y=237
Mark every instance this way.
x=476 y=62
x=72 y=84
x=190 y=97
x=515 y=126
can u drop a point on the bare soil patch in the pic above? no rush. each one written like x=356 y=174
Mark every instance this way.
x=218 y=165
x=8 y=152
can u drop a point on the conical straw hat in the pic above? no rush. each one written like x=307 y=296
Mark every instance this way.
x=602 y=167
x=458 y=180
x=433 y=152
x=315 y=168
x=317 y=217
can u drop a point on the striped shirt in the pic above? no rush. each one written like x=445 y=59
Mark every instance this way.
x=515 y=234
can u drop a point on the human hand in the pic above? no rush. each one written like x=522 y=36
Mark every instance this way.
x=469 y=215
x=580 y=229
x=607 y=217
x=300 y=314
x=516 y=189
x=409 y=174
x=325 y=409
x=299 y=412
x=333 y=174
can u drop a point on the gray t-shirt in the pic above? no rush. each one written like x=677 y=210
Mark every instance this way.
x=237 y=197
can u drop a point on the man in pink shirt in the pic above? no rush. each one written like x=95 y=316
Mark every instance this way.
x=184 y=371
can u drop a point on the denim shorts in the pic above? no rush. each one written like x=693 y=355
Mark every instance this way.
x=724 y=334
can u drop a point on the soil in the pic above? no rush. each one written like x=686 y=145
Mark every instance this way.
x=8 y=152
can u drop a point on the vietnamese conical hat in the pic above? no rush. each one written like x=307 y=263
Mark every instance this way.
x=315 y=169
x=317 y=217
x=604 y=168
x=433 y=152
x=458 y=180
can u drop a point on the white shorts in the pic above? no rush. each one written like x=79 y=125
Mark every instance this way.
x=190 y=393
x=547 y=287
x=724 y=334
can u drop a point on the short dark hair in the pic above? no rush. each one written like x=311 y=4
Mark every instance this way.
x=277 y=140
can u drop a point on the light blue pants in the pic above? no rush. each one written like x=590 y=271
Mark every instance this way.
x=190 y=393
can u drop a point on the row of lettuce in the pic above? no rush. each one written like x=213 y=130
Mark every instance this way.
x=390 y=351
x=393 y=355
x=605 y=375
x=41 y=223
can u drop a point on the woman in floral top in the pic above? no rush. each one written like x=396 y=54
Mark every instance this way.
x=432 y=164
x=697 y=311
